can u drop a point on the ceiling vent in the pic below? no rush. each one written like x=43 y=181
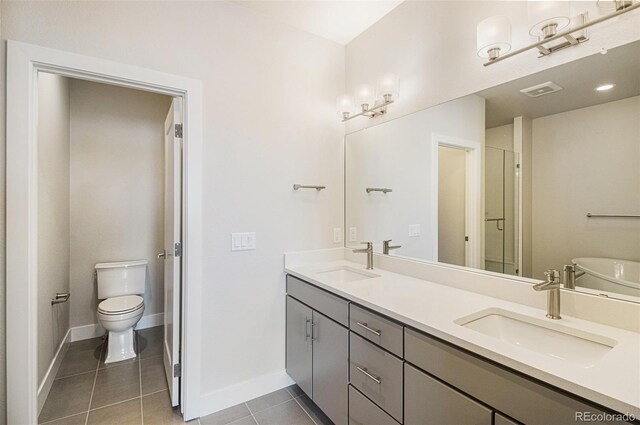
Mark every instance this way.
x=541 y=89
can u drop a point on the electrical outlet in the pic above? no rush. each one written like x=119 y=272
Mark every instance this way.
x=243 y=241
x=337 y=235
x=414 y=230
x=353 y=234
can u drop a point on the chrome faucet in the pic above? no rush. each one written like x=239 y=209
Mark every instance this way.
x=386 y=247
x=369 y=251
x=553 y=286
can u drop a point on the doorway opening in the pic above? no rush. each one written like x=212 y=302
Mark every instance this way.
x=26 y=225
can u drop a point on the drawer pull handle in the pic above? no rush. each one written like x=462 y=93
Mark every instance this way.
x=376 y=379
x=373 y=331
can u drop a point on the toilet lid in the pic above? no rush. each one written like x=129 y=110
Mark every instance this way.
x=117 y=305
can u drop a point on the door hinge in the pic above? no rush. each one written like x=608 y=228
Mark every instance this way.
x=177 y=370
x=179 y=131
x=466 y=238
x=518 y=166
x=177 y=249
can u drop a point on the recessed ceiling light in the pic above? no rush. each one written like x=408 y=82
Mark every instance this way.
x=605 y=87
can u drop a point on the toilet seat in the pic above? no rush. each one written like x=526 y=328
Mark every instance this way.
x=121 y=305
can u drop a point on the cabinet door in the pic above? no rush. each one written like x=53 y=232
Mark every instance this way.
x=299 y=348
x=330 y=367
x=430 y=402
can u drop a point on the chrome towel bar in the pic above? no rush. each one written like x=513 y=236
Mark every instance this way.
x=378 y=189
x=302 y=186
x=589 y=215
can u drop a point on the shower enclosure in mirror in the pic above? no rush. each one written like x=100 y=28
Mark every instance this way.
x=535 y=174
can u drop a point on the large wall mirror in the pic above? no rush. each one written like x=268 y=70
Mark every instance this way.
x=539 y=173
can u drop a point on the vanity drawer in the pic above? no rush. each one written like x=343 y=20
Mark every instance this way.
x=509 y=392
x=377 y=374
x=430 y=402
x=364 y=412
x=320 y=300
x=376 y=328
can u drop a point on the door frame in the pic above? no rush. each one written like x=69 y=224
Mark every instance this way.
x=473 y=195
x=24 y=61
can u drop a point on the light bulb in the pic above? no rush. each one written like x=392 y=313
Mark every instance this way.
x=388 y=87
x=365 y=97
x=546 y=18
x=494 y=37
x=344 y=106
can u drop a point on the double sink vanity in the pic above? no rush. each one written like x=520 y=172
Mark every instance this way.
x=415 y=343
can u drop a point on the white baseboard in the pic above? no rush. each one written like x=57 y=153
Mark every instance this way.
x=78 y=333
x=244 y=391
x=50 y=376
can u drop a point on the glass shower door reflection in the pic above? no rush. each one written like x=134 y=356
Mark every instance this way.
x=501 y=211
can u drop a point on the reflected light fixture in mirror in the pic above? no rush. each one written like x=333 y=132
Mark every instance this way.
x=547 y=17
x=494 y=37
x=605 y=87
x=369 y=102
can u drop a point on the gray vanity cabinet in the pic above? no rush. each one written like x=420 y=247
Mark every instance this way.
x=430 y=402
x=317 y=347
x=330 y=354
x=299 y=345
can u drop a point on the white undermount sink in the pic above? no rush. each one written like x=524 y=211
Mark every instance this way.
x=573 y=346
x=343 y=274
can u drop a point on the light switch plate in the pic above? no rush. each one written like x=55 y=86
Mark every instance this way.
x=337 y=235
x=353 y=234
x=243 y=241
x=414 y=230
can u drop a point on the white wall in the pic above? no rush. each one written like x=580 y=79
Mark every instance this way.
x=117 y=175
x=397 y=155
x=431 y=45
x=451 y=205
x=269 y=107
x=586 y=160
x=53 y=215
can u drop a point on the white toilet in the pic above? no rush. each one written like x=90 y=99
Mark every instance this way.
x=120 y=285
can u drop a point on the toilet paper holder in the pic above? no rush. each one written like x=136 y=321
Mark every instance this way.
x=61 y=297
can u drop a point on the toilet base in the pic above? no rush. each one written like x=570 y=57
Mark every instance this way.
x=120 y=346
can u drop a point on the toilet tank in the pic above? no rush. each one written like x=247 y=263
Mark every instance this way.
x=121 y=278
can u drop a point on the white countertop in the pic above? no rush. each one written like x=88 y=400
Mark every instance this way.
x=613 y=382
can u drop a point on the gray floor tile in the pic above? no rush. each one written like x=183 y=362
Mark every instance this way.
x=70 y=420
x=150 y=342
x=288 y=413
x=87 y=344
x=295 y=390
x=127 y=413
x=67 y=397
x=153 y=376
x=116 y=384
x=226 y=416
x=245 y=421
x=157 y=410
x=313 y=410
x=79 y=361
x=268 y=400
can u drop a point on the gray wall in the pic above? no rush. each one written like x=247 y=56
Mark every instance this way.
x=586 y=160
x=53 y=215
x=117 y=186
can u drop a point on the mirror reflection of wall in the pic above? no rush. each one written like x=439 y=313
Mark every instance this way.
x=547 y=160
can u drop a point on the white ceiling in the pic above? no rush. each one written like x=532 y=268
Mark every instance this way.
x=339 y=21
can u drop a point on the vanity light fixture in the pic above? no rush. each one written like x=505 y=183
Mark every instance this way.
x=369 y=101
x=605 y=87
x=551 y=24
x=494 y=37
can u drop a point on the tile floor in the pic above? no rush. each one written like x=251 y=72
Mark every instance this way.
x=88 y=391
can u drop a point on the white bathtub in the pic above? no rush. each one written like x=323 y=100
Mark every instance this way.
x=609 y=274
